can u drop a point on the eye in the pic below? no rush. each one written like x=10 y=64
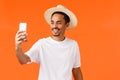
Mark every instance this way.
x=59 y=23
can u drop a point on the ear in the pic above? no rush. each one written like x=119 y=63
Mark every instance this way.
x=67 y=24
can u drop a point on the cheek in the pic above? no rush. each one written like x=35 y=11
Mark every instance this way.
x=63 y=27
x=51 y=26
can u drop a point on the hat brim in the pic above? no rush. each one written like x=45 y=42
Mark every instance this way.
x=73 y=19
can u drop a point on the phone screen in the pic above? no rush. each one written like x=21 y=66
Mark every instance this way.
x=22 y=26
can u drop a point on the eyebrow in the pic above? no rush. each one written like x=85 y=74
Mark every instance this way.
x=57 y=21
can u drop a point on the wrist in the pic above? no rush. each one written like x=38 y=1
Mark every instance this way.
x=17 y=47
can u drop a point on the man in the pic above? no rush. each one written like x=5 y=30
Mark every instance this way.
x=57 y=55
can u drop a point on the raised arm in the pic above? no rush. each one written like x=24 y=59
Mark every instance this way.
x=21 y=37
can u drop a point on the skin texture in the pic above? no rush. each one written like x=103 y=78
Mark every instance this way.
x=21 y=37
x=77 y=74
x=58 y=28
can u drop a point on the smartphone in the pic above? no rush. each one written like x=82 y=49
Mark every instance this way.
x=22 y=26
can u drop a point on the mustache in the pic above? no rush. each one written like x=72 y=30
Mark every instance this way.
x=56 y=28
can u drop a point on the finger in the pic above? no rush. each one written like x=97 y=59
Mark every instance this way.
x=25 y=40
x=21 y=34
x=19 y=42
x=21 y=38
x=18 y=34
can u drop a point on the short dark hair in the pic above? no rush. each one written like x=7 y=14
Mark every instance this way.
x=66 y=17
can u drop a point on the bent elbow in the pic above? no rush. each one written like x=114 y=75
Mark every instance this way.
x=22 y=62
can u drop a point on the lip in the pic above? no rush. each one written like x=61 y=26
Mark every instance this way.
x=55 y=31
x=55 y=28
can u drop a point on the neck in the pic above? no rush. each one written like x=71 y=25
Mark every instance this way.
x=58 y=38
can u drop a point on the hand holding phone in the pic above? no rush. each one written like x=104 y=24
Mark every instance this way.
x=22 y=27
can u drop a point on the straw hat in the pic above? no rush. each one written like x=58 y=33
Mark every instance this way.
x=49 y=12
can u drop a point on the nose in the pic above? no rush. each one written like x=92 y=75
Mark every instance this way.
x=54 y=25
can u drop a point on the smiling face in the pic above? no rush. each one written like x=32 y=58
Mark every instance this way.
x=58 y=25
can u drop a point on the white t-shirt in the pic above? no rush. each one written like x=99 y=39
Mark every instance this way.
x=56 y=58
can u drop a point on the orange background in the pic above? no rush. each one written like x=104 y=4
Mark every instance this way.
x=98 y=35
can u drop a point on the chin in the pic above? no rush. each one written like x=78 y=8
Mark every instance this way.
x=56 y=35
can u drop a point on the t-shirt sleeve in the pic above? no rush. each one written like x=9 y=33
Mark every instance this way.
x=34 y=53
x=77 y=62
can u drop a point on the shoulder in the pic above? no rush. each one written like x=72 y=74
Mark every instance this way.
x=71 y=41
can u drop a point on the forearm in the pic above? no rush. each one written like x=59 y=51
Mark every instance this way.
x=77 y=74
x=78 y=77
x=23 y=59
x=21 y=37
